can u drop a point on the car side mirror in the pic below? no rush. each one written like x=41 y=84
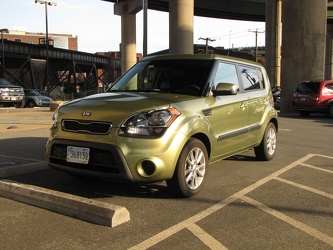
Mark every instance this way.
x=225 y=89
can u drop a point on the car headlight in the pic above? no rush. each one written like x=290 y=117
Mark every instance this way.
x=149 y=123
x=55 y=117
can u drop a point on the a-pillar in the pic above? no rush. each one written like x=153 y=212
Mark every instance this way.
x=127 y=10
x=181 y=19
x=303 y=45
x=273 y=41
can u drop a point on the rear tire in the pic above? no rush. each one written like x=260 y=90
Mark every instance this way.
x=329 y=112
x=189 y=176
x=266 y=150
x=304 y=113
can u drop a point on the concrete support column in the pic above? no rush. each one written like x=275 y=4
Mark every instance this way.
x=303 y=45
x=127 y=10
x=329 y=52
x=181 y=19
x=128 y=41
x=273 y=41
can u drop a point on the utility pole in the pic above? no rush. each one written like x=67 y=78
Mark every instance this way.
x=256 y=32
x=207 y=40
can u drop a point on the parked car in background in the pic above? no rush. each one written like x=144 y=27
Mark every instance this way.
x=43 y=92
x=277 y=96
x=10 y=95
x=314 y=97
x=167 y=118
x=34 y=99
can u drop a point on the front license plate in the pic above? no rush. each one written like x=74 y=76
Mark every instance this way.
x=77 y=155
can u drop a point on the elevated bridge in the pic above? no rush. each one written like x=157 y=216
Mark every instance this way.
x=25 y=64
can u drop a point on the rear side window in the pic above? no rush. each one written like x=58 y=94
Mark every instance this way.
x=328 y=89
x=252 y=78
x=308 y=88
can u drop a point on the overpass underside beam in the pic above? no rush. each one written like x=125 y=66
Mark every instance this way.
x=16 y=70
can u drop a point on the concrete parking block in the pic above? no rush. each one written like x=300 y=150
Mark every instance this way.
x=77 y=207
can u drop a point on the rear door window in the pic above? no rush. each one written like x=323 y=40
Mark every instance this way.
x=252 y=78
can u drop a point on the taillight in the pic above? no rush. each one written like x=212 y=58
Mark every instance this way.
x=314 y=98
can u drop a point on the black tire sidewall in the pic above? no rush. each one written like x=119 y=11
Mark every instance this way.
x=177 y=184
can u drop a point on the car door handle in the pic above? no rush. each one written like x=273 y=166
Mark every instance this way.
x=243 y=106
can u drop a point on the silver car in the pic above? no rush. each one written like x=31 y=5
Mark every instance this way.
x=34 y=99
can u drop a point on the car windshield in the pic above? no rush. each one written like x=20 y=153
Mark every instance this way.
x=31 y=92
x=42 y=92
x=170 y=76
x=308 y=87
x=4 y=82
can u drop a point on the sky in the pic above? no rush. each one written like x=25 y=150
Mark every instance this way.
x=99 y=30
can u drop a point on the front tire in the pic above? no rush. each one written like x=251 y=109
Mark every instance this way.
x=266 y=150
x=189 y=176
x=31 y=104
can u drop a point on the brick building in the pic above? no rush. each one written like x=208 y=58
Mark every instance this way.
x=63 y=41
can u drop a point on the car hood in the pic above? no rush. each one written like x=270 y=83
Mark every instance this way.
x=10 y=86
x=116 y=107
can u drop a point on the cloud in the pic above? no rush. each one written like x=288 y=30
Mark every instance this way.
x=68 y=6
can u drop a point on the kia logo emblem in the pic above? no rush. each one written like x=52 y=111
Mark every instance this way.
x=86 y=114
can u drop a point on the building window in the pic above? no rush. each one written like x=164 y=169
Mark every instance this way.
x=17 y=39
x=31 y=41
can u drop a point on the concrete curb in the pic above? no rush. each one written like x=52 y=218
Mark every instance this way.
x=77 y=207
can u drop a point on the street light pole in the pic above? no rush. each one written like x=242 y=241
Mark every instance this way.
x=46 y=3
x=3 y=51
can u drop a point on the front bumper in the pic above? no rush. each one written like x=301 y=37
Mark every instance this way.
x=11 y=98
x=106 y=161
x=118 y=158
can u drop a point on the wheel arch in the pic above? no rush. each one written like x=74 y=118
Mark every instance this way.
x=205 y=140
x=275 y=122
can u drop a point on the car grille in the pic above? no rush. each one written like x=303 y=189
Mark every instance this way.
x=100 y=160
x=101 y=128
x=13 y=91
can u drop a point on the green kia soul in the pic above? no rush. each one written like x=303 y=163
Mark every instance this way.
x=167 y=118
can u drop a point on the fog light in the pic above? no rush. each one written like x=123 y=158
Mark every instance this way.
x=148 y=167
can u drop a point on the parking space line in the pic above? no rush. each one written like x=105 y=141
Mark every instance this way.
x=299 y=225
x=20 y=158
x=205 y=213
x=313 y=190
x=316 y=168
x=206 y=238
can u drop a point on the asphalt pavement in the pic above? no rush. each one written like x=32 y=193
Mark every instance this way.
x=286 y=203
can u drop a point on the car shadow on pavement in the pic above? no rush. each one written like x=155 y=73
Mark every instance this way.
x=91 y=188
x=318 y=118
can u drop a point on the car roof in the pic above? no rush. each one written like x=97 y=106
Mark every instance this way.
x=201 y=57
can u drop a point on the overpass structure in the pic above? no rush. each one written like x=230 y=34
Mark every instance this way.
x=301 y=50
x=245 y=10
x=24 y=65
